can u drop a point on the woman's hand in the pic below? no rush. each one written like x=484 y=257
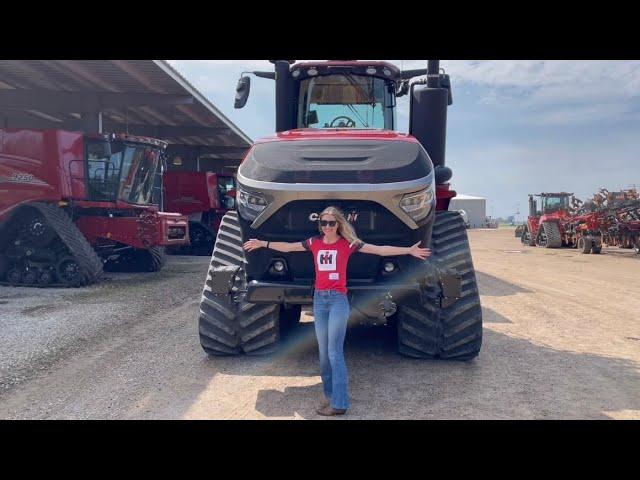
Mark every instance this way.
x=254 y=244
x=421 y=253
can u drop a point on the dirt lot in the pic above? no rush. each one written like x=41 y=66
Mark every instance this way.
x=561 y=341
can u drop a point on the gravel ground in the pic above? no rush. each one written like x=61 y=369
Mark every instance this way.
x=561 y=340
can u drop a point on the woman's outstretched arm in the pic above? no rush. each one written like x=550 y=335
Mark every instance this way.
x=387 y=250
x=254 y=244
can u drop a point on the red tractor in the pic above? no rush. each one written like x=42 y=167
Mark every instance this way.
x=337 y=144
x=72 y=201
x=204 y=197
x=545 y=227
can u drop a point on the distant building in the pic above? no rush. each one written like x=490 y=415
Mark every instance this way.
x=475 y=207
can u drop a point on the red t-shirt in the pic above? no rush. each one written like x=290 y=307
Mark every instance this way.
x=330 y=261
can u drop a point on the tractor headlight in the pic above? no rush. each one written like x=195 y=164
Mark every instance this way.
x=250 y=205
x=418 y=205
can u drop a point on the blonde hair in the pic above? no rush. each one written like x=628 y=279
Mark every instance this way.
x=345 y=229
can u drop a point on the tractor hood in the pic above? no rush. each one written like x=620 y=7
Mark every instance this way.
x=336 y=156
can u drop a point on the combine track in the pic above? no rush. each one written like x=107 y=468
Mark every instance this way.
x=80 y=253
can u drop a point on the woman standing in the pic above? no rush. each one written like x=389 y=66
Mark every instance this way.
x=331 y=251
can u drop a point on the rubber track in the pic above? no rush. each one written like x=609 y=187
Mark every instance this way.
x=427 y=331
x=227 y=327
x=551 y=229
x=88 y=261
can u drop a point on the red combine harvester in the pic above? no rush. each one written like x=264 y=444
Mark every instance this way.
x=204 y=197
x=71 y=201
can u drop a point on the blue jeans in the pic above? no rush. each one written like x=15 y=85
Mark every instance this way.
x=331 y=312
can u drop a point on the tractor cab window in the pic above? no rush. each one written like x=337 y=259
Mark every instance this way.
x=138 y=173
x=553 y=204
x=344 y=100
x=103 y=169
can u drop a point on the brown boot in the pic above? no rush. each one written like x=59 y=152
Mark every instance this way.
x=330 y=411
x=325 y=403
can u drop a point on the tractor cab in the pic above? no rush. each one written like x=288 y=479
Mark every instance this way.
x=549 y=203
x=122 y=168
x=554 y=202
x=345 y=95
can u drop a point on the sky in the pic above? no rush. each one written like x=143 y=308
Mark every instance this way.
x=515 y=127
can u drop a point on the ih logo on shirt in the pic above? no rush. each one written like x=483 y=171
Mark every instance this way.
x=327 y=260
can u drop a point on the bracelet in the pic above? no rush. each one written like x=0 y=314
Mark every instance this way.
x=268 y=244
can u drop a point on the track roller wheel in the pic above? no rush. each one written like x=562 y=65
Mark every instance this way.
x=69 y=272
x=38 y=230
x=45 y=277
x=30 y=276
x=14 y=276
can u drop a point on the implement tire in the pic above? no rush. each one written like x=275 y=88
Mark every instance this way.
x=425 y=330
x=227 y=324
x=584 y=245
x=139 y=260
x=151 y=260
x=519 y=231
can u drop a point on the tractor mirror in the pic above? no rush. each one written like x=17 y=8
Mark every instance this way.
x=312 y=118
x=242 y=92
x=445 y=82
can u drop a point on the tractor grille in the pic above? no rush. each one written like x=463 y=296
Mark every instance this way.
x=372 y=222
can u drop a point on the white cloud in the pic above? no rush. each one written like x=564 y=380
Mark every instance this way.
x=574 y=88
x=556 y=92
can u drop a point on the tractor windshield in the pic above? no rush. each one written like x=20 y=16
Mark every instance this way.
x=344 y=100
x=553 y=204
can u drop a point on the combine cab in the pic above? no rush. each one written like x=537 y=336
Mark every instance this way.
x=73 y=201
x=336 y=145
x=204 y=197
